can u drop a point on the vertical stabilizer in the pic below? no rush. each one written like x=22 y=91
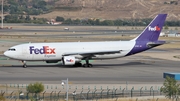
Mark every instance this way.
x=153 y=30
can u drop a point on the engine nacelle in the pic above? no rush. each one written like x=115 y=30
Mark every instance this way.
x=68 y=60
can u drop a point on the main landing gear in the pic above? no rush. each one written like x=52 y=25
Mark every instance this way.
x=24 y=64
x=87 y=64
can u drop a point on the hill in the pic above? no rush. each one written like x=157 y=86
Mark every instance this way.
x=114 y=9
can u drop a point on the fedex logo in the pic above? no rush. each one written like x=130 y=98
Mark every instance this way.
x=43 y=50
x=156 y=28
x=69 y=60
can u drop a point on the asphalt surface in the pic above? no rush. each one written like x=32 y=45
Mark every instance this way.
x=74 y=33
x=133 y=69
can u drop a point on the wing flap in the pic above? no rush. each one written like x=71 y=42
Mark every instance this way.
x=93 y=53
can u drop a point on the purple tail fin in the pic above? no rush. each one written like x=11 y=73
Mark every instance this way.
x=153 y=30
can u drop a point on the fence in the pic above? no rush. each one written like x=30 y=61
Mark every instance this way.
x=19 y=92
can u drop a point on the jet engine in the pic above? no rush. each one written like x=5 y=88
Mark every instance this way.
x=68 y=60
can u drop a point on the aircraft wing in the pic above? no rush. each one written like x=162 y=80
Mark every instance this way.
x=93 y=53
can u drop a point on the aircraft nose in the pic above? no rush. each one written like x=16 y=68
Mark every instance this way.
x=5 y=53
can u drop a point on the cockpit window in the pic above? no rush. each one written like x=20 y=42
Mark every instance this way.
x=12 y=49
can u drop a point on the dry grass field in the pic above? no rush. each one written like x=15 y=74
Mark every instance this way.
x=112 y=9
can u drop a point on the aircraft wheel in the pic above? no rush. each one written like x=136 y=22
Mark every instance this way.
x=24 y=66
x=84 y=65
x=90 y=65
x=87 y=65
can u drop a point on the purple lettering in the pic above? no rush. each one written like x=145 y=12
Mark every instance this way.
x=43 y=50
x=36 y=51
x=31 y=49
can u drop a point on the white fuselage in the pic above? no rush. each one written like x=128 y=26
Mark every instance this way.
x=55 y=51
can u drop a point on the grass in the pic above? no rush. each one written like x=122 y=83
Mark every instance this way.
x=113 y=9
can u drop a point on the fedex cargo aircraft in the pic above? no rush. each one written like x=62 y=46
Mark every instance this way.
x=71 y=53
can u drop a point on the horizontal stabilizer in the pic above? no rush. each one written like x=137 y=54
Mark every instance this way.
x=154 y=44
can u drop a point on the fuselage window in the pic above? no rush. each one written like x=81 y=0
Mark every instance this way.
x=11 y=49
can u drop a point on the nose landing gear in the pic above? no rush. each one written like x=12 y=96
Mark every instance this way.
x=24 y=64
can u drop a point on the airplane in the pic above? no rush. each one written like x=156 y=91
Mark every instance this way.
x=72 y=53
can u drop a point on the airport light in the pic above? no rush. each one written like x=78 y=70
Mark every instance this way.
x=67 y=87
x=2 y=15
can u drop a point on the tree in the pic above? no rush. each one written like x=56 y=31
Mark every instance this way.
x=97 y=22
x=35 y=88
x=77 y=21
x=12 y=2
x=58 y=18
x=34 y=18
x=166 y=27
x=108 y=23
x=171 y=88
x=118 y=22
x=68 y=21
x=91 y=22
x=27 y=18
x=42 y=3
x=21 y=17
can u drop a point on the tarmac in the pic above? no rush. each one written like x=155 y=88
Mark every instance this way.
x=139 y=68
x=134 y=71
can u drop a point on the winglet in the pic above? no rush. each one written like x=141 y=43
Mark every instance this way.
x=153 y=30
